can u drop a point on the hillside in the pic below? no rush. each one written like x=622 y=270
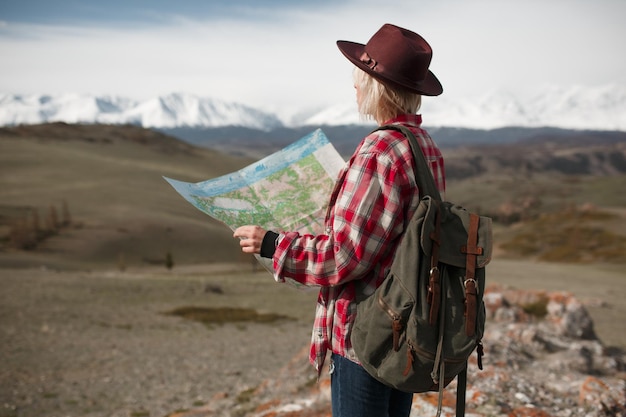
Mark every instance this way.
x=103 y=186
x=122 y=212
x=257 y=143
x=580 y=153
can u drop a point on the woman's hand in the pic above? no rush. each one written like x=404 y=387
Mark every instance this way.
x=251 y=238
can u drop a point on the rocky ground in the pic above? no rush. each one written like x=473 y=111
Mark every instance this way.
x=553 y=367
x=99 y=344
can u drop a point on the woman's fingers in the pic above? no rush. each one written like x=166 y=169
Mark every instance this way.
x=250 y=238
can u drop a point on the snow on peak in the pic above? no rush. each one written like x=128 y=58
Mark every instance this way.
x=577 y=107
x=599 y=108
x=173 y=110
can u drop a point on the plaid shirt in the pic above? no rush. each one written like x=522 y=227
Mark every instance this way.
x=370 y=207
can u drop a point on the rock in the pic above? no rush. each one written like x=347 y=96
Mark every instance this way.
x=533 y=367
x=569 y=316
x=607 y=399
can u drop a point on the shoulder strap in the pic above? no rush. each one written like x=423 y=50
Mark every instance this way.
x=423 y=175
x=427 y=187
x=460 y=392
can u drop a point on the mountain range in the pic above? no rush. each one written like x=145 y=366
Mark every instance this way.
x=599 y=108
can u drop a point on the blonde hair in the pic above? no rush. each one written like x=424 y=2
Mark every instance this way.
x=383 y=102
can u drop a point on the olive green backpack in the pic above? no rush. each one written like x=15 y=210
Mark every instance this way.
x=417 y=330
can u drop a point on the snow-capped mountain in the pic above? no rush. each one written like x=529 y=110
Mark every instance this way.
x=174 y=110
x=600 y=108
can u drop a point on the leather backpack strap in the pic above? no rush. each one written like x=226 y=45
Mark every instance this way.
x=471 y=251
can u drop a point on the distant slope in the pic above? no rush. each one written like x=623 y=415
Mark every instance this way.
x=559 y=153
x=468 y=152
x=123 y=214
x=259 y=143
x=110 y=177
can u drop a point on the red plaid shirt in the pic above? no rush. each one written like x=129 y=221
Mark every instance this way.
x=373 y=201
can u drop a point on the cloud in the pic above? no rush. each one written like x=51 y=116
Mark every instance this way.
x=227 y=58
x=285 y=57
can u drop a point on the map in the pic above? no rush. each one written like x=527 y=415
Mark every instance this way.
x=285 y=191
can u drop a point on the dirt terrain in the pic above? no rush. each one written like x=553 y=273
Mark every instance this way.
x=101 y=343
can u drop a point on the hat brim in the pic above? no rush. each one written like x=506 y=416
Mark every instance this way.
x=430 y=86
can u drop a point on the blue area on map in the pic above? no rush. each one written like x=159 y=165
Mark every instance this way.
x=254 y=172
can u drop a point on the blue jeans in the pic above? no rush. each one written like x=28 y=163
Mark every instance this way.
x=355 y=393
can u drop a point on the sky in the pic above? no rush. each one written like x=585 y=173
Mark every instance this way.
x=281 y=55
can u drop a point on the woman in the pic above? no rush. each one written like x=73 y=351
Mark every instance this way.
x=370 y=207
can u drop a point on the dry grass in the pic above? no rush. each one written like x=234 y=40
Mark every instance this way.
x=112 y=182
x=571 y=219
x=221 y=315
x=570 y=235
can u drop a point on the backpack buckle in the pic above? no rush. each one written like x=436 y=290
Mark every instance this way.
x=472 y=281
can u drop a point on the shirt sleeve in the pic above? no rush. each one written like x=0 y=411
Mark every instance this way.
x=368 y=215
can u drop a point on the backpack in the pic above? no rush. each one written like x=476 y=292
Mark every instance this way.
x=417 y=330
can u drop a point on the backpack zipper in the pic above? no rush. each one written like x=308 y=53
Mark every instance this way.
x=431 y=356
x=396 y=323
x=391 y=312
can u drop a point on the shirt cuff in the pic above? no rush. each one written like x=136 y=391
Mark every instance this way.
x=268 y=246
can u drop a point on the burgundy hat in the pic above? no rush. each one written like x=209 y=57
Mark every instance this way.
x=395 y=56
